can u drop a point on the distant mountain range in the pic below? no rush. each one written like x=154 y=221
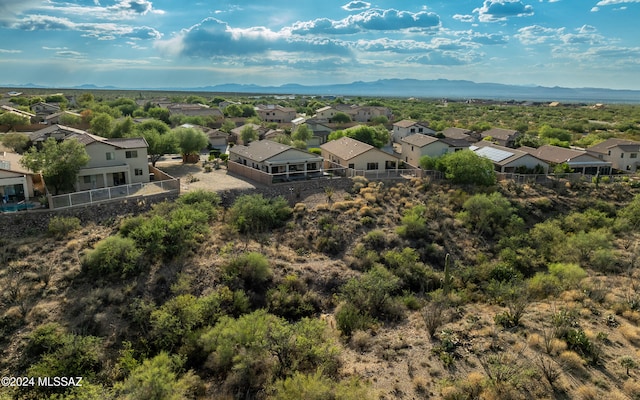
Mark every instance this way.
x=438 y=88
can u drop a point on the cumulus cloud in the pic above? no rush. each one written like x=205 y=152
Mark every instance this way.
x=356 y=6
x=443 y=58
x=98 y=30
x=536 y=34
x=7 y=51
x=213 y=38
x=501 y=10
x=489 y=39
x=374 y=20
x=464 y=17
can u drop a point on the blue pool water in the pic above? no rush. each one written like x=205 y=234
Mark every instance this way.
x=16 y=207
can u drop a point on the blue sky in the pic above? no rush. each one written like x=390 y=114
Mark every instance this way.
x=169 y=43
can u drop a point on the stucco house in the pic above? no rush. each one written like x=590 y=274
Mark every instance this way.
x=42 y=110
x=353 y=154
x=112 y=162
x=508 y=160
x=578 y=160
x=417 y=145
x=276 y=113
x=277 y=159
x=501 y=137
x=406 y=127
x=194 y=110
x=623 y=154
x=16 y=182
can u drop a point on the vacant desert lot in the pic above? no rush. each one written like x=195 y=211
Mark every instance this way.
x=193 y=176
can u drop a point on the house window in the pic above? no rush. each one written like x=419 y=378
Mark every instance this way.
x=372 y=166
x=420 y=130
x=352 y=166
x=621 y=155
x=111 y=156
x=413 y=130
x=609 y=153
x=633 y=155
x=131 y=154
x=138 y=172
x=86 y=179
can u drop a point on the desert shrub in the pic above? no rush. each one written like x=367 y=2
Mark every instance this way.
x=250 y=352
x=45 y=339
x=588 y=220
x=571 y=361
x=114 y=255
x=350 y=319
x=372 y=294
x=578 y=341
x=248 y=271
x=467 y=167
x=317 y=387
x=256 y=214
x=158 y=378
x=487 y=214
x=543 y=285
x=581 y=245
x=604 y=260
x=292 y=300
x=414 y=275
x=413 y=223
x=332 y=238
x=174 y=320
x=375 y=239
x=549 y=239
x=568 y=274
x=203 y=200
x=363 y=259
x=60 y=227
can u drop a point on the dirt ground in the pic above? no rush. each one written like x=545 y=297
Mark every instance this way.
x=193 y=176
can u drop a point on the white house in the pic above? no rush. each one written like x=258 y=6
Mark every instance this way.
x=406 y=127
x=623 y=154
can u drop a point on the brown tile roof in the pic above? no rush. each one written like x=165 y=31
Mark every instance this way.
x=604 y=147
x=456 y=133
x=419 y=139
x=261 y=150
x=499 y=133
x=346 y=148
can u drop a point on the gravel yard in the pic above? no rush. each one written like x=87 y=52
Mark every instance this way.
x=193 y=176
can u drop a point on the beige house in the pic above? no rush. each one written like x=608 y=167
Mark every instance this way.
x=623 y=154
x=417 y=145
x=406 y=127
x=353 y=154
x=16 y=182
x=113 y=162
x=508 y=160
x=281 y=161
x=194 y=110
x=578 y=160
x=276 y=113
x=501 y=137
x=356 y=113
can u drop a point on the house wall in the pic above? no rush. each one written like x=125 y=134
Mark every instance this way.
x=98 y=159
x=360 y=162
x=400 y=133
x=622 y=160
x=525 y=161
x=411 y=154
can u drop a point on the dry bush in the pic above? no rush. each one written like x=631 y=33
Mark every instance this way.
x=343 y=205
x=632 y=316
x=361 y=341
x=420 y=385
x=632 y=388
x=451 y=393
x=323 y=207
x=535 y=341
x=631 y=333
x=473 y=385
x=571 y=361
x=588 y=393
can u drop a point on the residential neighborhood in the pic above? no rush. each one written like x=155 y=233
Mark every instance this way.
x=268 y=156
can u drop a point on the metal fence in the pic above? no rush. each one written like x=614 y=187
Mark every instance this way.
x=113 y=193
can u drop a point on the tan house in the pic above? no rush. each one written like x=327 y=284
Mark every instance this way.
x=501 y=137
x=16 y=182
x=578 y=160
x=276 y=113
x=112 y=162
x=623 y=154
x=353 y=154
x=418 y=145
x=356 y=113
x=194 y=110
x=406 y=127
x=281 y=161
x=508 y=160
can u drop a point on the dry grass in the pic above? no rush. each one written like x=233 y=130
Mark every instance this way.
x=588 y=392
x=631 y=333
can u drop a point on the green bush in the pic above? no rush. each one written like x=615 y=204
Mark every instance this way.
x=292 y=300
x=414 y=275
x=317 y=387
x=114 y=255
x=467 y=167
x=414 y=224
x=202 y=200
x=543 y=285
x=256 y=214
x=249 y=271
x=158 y=378
x=487 y=214
x=568 y=274
x=60 y=227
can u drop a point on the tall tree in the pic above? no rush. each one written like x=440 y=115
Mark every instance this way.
x=190 y=141
x=248 y=134
x=303 y=133
x=159 y=144
x=13 y=120
x=59 y=163
x=101 y=124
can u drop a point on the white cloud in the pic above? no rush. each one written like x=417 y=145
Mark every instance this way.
x=356 y=6
x=7 y=51
x=613 y=2
x=464 y=18
x=501 y=10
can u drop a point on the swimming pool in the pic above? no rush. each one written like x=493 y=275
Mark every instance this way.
x=16 y=207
